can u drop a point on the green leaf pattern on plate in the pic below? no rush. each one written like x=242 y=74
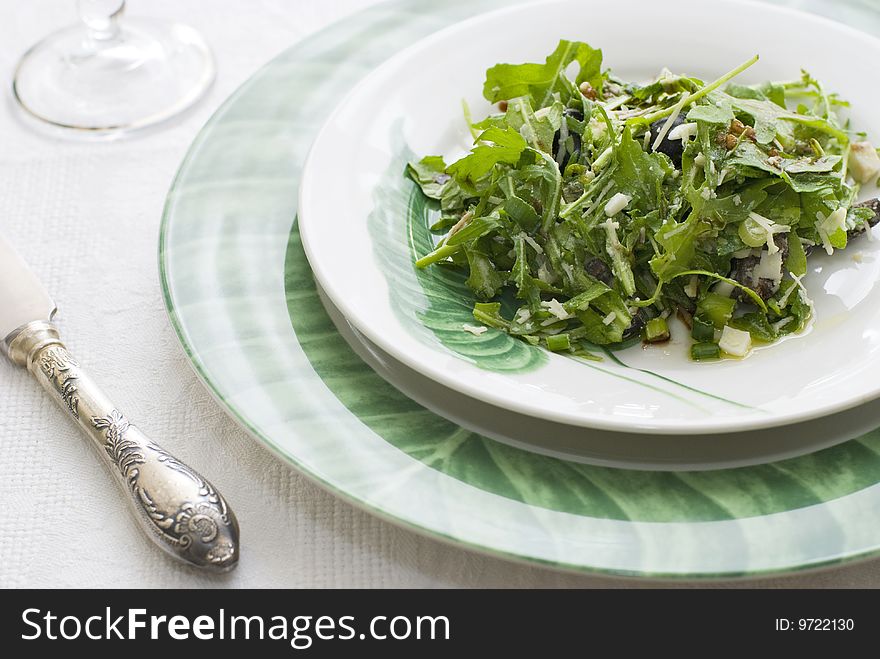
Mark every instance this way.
x=549 y=482
x=433 y=303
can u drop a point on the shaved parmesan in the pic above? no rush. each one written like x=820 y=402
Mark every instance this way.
x=683 y=132
x=735 y=342
x=555 y=307
x=476 y=330
x=610 y=318
x=661 y=135
x=616 y=204
x=771 y=229
x=770 y=267
x=863 y=162
x=836 y=221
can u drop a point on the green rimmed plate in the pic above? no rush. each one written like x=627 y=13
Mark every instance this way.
x=242 y=299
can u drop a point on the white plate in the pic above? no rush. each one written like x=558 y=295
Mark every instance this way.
x=607 y=448
x=354 y=205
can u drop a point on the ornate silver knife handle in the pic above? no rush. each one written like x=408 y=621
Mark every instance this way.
x=177 y=508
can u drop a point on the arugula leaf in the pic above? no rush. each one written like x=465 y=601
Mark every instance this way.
x=484 y=279
x=756 y=324
x=800 y=165
x=767 y=91
x=770 y=120
x=537 y=131
x=679 y=245
x=732 y=208
x=521 y=212
x=506 y=81
x=712 y=113
x=638 y=173
x=796 y=261
x=430 y=174
x=495 y=145
x=476 y=228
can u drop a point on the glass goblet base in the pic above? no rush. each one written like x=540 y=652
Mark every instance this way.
x=146 y=73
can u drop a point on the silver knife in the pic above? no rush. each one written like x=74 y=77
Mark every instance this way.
x=178 y=509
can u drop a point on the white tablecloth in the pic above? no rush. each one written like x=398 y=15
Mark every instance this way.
x=86 y=216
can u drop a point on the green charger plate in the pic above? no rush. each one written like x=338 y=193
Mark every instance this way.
x=241 y=297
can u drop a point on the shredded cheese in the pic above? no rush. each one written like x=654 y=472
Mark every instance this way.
x=836 y=221
x=771 y=229
x=770 y=267
x=555 y=307
x=799 y=287
x=476 y=330
x=616 y=204
x=683 y=132
x=671 y=120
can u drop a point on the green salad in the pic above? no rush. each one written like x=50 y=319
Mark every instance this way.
x=591 y=209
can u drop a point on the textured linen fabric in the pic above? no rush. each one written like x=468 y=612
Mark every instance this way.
x=86 y=216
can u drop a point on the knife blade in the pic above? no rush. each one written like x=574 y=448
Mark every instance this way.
x=22 y=297
x=180 y=510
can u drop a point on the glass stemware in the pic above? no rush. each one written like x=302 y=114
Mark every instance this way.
x=108 y=76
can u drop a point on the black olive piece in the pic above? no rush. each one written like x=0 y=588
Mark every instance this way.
x=567 y=157
x=672 y=148
x=639 y=320
x=743 y=272
x=575 y=154
x=598 y=269
x=874 y=205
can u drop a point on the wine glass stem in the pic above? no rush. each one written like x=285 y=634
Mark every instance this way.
x=101 y=17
